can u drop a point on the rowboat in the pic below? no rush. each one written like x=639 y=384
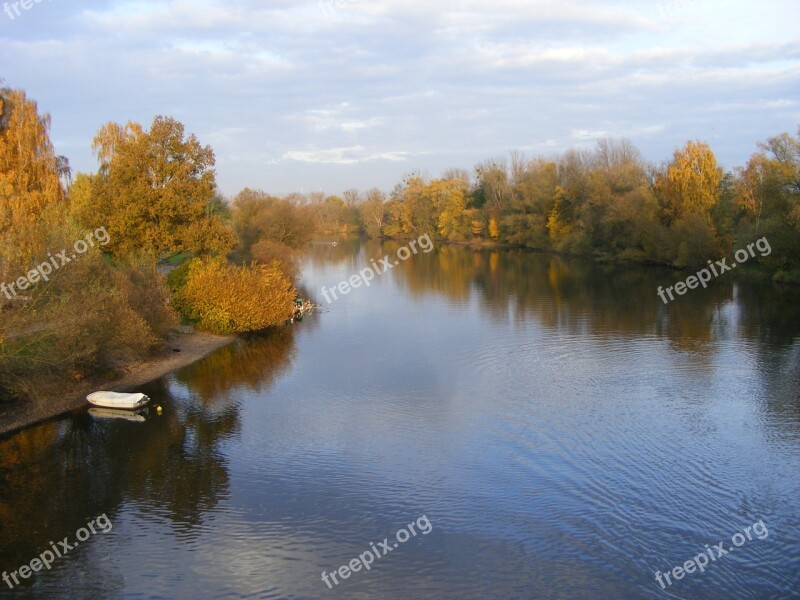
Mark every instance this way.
x=117 y=400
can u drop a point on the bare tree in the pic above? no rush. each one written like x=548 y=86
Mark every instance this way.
x=352 y=197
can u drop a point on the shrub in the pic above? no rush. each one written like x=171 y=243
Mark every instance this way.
x=92 y=316
x=224 y=298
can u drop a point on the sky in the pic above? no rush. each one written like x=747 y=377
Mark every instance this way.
x=336 y=94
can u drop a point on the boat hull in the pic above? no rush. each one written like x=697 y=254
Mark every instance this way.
x=118 y=401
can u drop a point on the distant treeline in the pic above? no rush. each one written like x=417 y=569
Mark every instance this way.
x=606 y=202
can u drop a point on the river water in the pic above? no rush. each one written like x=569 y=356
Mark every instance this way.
x=547 y=425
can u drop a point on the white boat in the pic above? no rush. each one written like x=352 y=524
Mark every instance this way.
x=117 y=400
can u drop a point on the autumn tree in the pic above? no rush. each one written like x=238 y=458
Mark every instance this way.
x=449 y=197
x=532 y=201
x=768 y=190
x=690 y=184
x=30 y=184
x=373 y=213
x=492 y=187
x=751 y=186
x=154 y=192
x=257 y=216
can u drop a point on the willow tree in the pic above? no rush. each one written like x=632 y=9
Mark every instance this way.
x=153 y=191
x=30 y=186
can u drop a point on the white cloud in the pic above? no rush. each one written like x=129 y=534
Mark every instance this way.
x=344 y=156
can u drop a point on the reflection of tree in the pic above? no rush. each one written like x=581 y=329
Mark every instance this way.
x=53 y=478
x=253 y=361
x=325 y=254
x=57 y=476
x=181 y=469
x=581 y=296
x=770 y=315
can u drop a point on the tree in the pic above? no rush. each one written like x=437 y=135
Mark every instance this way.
x=450 y=201
x=691 y=182
x=768 y=190
x=352 y=197
x=785 y=167
x=30 y=181
x=750 y=186
x=493 y=188
x=155 y=191
x=373 y=213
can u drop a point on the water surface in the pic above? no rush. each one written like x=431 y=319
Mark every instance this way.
x=565 y=433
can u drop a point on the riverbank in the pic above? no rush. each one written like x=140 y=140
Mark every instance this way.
x=180 y=350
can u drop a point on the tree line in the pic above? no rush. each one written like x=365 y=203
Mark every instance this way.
x=606 y=202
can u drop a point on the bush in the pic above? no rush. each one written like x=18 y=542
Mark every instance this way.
x=224 y=298
x=90 y=317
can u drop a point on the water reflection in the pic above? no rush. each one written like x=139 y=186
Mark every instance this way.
x=566 y=433
x=252 y=362
x=578 y=297
x=57 y=476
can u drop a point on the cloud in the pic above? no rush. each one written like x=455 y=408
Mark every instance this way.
x=344 y=156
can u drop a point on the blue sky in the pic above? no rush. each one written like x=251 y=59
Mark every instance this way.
x=332 y=94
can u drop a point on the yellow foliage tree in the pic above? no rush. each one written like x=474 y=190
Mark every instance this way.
x=154 y=192
x=494 y=229
x=225 y=298
x=691 y=183
x=450 y=199
x=29 y=178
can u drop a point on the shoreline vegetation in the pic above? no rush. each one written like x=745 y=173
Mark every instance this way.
x=156 y=245
x=99 y=270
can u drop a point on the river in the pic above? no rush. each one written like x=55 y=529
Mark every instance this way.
x=546 y=426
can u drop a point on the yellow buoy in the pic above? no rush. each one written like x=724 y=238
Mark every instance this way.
x=159 y=410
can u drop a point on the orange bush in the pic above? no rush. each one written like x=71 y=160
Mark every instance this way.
x=225 y=298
